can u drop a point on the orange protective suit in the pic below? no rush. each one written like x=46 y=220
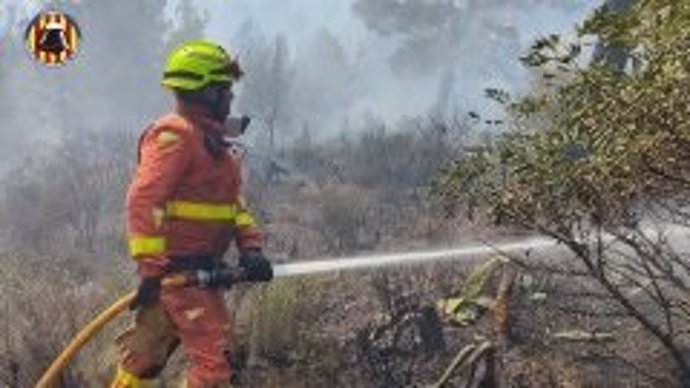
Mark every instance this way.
x=184 y=201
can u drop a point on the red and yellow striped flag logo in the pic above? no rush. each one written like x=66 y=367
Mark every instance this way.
x=52 y=38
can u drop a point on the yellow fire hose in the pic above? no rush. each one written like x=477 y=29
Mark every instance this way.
x=85 y=335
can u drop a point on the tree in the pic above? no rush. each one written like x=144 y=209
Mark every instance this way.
x=191 y=23
x=70 y=129
x=116 y=76
x=27 y=98
x=268 y=87
x=597 y=159
x=111 y=85
x=613 y=54
x=438 y=33
x=324 y=81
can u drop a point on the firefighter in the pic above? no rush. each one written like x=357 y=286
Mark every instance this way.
x=183 y=209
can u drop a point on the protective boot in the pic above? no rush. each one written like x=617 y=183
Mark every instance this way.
x=124 y=379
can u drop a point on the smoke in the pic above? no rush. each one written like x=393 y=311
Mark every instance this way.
x=397 y=56
x=347 y=61
x=473 y=37
x=111 y=86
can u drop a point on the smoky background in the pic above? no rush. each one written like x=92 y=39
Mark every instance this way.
x=356 y=107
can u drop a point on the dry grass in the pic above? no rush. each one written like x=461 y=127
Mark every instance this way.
x=360 y=329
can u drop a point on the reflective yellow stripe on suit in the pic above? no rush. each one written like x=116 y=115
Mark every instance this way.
x=245 y=219
x=146 y=245
x=124 y=379
x=201 y=211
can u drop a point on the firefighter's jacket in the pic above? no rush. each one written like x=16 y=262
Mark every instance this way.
x=185 y=197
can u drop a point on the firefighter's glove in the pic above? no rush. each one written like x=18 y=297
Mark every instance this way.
x=256 y=267
x=148 y=292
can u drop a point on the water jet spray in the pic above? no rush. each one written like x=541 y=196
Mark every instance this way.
x=403 y=258
x=287 y=270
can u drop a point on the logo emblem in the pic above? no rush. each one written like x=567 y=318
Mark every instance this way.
x=52 y=38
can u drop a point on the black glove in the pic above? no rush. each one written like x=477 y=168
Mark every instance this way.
x=148 y=292
x=256 y=267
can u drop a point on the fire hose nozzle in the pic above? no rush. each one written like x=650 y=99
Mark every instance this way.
x=220 y=278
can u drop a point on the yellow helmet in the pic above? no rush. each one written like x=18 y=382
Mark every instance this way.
x=198 y=63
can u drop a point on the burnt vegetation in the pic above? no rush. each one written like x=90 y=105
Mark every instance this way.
x=594 y=156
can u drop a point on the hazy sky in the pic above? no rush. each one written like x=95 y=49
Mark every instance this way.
x=386 y=94
x=379 y=90
x=297 y=19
